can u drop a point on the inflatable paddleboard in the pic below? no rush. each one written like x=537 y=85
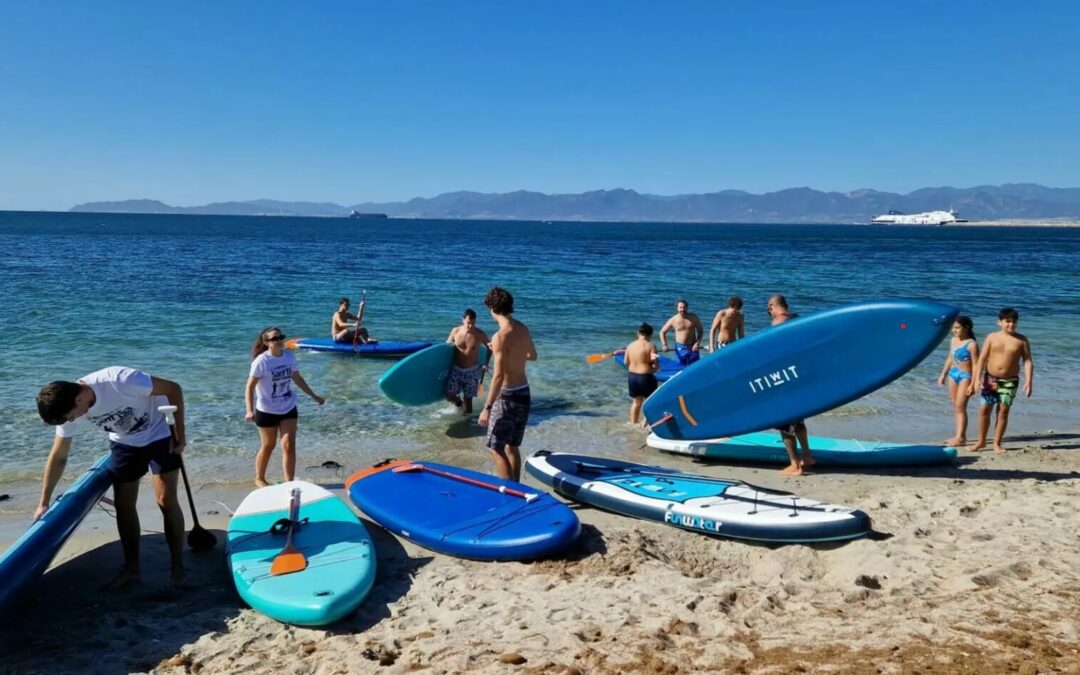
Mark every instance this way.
x=420 y=378
x=768 y=447
x=669 y=367
x=463 y=513
x=340 y=556
x=801 y=368
x=383 y=348
x=28 y=558
x=728 y=508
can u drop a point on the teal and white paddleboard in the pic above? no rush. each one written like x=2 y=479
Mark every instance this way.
x=420 y=379
x=340 y=555
x=768 y=447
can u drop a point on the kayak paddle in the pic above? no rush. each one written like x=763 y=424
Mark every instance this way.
x=408 y=468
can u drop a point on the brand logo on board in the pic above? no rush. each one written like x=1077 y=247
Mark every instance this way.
x=774 y=379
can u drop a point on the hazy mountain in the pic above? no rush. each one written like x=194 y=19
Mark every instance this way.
x=801 y=204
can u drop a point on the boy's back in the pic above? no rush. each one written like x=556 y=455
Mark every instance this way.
x=640 y=357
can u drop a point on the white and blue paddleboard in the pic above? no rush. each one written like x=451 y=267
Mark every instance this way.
x=768 y=447
x=340 y=555
x=717 y=506
x=798 y=369
x=389 y=349
x=420 y=378
x=28 y=558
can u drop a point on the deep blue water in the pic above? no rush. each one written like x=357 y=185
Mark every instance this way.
x=184 y=297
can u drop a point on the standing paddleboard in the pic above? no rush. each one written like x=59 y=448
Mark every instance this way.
x=28 y=558
x=669 y=367
x=463 y=513
x=768 y=447
x=420 y=379
x=729 y=508
x=340 y=556
x=391 y=349
x=803 y=367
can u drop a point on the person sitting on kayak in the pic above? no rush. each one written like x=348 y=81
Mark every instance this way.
x=345 y=327
x=688 y=333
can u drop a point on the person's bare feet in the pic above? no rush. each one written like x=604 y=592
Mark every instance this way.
x=955 y=442
x=998 y=450
x=979 y=447
x=261 y=483
x=791 y=470
x=122 y=580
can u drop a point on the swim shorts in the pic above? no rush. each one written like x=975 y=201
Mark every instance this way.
x=999 y=390
x=685 y=354
x=641 y=384
x=509 y=415
x=130 y=462
x=266 y=420
x=463 y=381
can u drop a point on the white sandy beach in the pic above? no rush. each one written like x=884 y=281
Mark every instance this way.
x=976 y=570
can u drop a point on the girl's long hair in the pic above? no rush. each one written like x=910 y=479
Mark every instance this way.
x=966 y=323
x=260 y=344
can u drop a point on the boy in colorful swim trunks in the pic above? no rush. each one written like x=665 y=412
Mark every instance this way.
x=464 y=378
x=509 y=400
x=688 y=334
x=642 y=363
x=123 y=402
x=793 y=431
x=998 y=370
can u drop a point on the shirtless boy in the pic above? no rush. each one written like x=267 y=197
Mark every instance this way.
x=465 y=375
x=998 y=370
x=688 y=334
x=508 y=401
x=345 y=327
x=779 y=313
x=642 y=362
x=728 y=325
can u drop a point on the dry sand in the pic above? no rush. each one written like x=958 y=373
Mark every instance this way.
x=976 y=569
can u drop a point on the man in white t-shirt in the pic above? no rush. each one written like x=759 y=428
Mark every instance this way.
x=123 y=402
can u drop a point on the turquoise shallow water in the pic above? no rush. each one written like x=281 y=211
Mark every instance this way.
x=184 y=296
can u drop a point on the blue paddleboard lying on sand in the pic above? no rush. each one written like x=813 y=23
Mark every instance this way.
x=801 y=368
x=669 y=367
x=768 y=447
x=463 y=513
x=420 y=378
x=340 y=558
x=729 y=508
x=383 y=348
x=28 y=558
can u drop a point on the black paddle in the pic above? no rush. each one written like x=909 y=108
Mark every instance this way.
x=199 y=539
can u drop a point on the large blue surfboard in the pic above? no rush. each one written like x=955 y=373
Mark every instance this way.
x=470 y=515
x=768 y=447
x=717 y=506
x=801 y=368
x=340 y=556
x=28 y=558
x=669 y=367
x=390 y=349
x=420 y=378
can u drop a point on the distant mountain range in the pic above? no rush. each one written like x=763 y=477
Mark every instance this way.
x=793 y=205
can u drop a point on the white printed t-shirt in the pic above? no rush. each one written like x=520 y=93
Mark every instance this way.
x=123 y=407
x=273 y=393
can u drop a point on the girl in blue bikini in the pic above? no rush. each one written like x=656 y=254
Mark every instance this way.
x=963 y=353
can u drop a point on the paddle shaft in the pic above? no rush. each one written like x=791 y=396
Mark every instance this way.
x=465 y=479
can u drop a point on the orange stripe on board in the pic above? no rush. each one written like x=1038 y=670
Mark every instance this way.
x=381 y=466
x=685 y=412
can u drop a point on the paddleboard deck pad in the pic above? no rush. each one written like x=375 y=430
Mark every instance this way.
x=768 y=447
x=420 y=378
x=715 y=506
x=798 y=369
x=340 y=555
x=470 y=515
x=382 y=348
x=28 y=558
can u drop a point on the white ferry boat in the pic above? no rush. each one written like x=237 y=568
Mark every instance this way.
x=927 y=218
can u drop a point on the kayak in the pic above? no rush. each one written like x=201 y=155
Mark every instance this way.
x=383 y=348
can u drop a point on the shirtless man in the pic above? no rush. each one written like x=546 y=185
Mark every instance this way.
x=642 y=362
x=728 y=325
x=345 y=327
x=466 y=373
x=779 y=313
x=688 y=334
x=508 y=400
x=998 y=370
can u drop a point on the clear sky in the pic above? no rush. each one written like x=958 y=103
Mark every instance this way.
x=198 y=101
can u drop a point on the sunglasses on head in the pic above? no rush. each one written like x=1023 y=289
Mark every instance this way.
x=275 y=338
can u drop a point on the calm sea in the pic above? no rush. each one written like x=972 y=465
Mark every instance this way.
x=184 y=297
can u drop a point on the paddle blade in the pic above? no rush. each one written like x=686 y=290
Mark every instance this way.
x=480 y=390
x=288 y=561
x=200 y=539
x=405 y=468
x=597 y=358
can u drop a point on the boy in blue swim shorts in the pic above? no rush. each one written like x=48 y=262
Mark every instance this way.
x=688 y=333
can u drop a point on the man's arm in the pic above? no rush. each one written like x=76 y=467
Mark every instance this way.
x=699 y=331
x=450 y=337
x=742 y=326
x=497 y=378
x=175 y=395
x=54 y=468
x=715 y=327
x=1029 y=368
x=663 y=333
x=531 y=354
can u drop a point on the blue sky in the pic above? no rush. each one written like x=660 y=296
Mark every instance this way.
x=192 y=102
